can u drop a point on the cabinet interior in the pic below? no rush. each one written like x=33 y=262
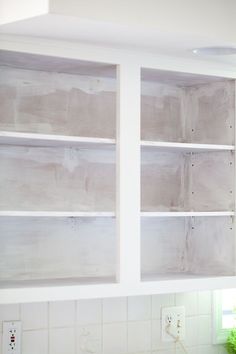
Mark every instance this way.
x=63 y=160
x=192 y=109
x=60 y=98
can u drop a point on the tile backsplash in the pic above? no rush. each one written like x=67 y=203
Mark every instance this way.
x=112 y=326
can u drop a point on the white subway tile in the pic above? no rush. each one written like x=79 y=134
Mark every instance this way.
x=139 y=336
x=205 y=330
x=62 y=314
x=115 y=309
x=0 y=343
x=208 y=349
x=165 y=351
x=221 y=349
x=9 y=313
x=139 y=308
x=35 y=342
x=115 y=338
x=89 y=311
x=34 y=316
x=192 y=332
x=62 y=341
x=189 y=301
x=157 y=343
x=190 y=350
x=204 y=302
x=160 y=301
x=89 y=339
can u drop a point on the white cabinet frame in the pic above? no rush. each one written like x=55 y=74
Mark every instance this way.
x=129 y=64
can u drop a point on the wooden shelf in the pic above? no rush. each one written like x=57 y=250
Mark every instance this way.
x=185 y=213
x=185 y=147
x=57 y=214
x=47 y=140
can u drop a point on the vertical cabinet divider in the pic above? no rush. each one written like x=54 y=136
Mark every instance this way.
x=128 y=171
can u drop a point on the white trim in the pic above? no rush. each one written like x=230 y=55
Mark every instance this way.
x=128 y=172
x=48 y=140
x=72 y=292
x=185 y=146
x=186 y=213
x=103 y=54
x=56 y=214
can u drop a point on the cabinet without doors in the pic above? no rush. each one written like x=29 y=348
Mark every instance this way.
x=68 y=220
x=57 y=180
x=187 y=171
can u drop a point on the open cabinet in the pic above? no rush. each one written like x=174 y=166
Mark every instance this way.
x=117 y=173
x=58 y=171
x=187 y=176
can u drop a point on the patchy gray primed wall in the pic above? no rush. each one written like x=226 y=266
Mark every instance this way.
x=172 y=247
x=197 y=114
x=51 y=248
x=56 y=103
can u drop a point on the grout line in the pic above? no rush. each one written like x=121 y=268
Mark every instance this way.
x=48 y=331
x=151 y=334
x=75 y=327
x=127 y=324
x=101 y=324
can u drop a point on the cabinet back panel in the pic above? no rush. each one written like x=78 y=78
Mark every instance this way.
x=195 y=114
x=184 y=181
x=200 y=246
x=51 y=248
x=57 y=179
x=55 y=103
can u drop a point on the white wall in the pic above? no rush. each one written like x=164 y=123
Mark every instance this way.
x=113 y=326
x=212 y=18
x=15 y=10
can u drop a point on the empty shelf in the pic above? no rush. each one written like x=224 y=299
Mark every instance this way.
x=47 y=140
x=60 y=214
x=185 y=147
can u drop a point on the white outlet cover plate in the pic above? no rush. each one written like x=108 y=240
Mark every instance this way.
x=11 y=341
x=175 y=318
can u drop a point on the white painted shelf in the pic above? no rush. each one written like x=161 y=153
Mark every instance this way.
x=185 y=147
x=186 y=213
x=57 y=214
x=91 y=214
x=47 y=140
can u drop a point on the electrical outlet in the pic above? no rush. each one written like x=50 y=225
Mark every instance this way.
x=11 y=337
x=173 y=323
